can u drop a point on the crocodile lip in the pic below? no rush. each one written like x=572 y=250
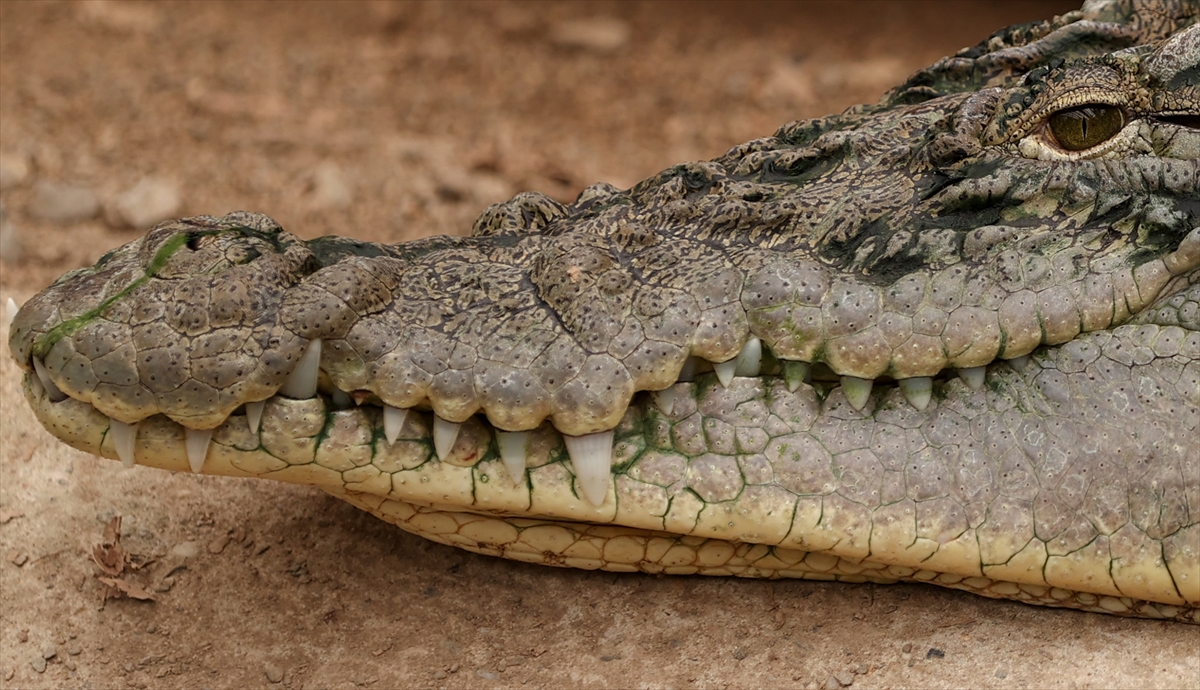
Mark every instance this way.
x=475 y=440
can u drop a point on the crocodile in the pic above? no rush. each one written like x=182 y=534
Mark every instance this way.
x=952 y=337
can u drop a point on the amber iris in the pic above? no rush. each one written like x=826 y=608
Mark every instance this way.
x=1080 y=128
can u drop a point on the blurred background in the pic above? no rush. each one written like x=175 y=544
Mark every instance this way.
x=396 y=120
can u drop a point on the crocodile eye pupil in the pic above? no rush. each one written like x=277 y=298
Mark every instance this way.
x=1086 y=126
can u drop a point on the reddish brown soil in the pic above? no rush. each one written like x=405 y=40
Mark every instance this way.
x=390 y=122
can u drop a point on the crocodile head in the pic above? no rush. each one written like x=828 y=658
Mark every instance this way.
x=738 y=366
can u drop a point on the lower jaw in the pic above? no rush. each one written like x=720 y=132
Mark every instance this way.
x=468 y=498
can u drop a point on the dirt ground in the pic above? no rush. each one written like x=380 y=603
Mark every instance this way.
x=390 y=122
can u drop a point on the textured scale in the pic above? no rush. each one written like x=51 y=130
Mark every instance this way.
x=758 y=350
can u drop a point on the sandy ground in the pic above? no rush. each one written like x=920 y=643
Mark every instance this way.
x=390 y=122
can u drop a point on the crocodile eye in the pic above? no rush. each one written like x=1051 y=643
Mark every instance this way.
x=1080 y=128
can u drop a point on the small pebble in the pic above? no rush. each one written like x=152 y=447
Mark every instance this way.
x=331 y=188
x=122 y=17
x=218 y=545
x=832 y=684
x=49 y=651
x=70 y=664
x=486 y=675
x=74 y=649
x=846 y=678
x=62 y=203
x=22 y=636
x=151 y=629
x=934 y=653
x=440 y=675
x=598 y=34
x=14 y=170
x=18 y=559
x=906 y=648
x=186 y=549
x=39 y=664
x=149 y=202
x=274 y=673
x=1002 y=674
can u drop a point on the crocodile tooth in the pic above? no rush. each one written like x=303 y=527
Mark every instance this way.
x=393 y=420
x=688 y=372
x=302 y=383
x=591 y=460
x=341 y=399
x=444 y=435
x=918 y=390
x=794 y=373
x=35 y=385
x=665 y=400
x=857 y=391
x=1019 y=363
x=254 y=412
x=10 y=310
x=749 y=360
x=196 y=444
x=52 y=390
x=973 y=377
x=123 y=437
x=725 y=371
x=513 y=451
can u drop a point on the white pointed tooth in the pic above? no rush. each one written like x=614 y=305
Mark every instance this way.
x=591 y=460
x=52 y=390
x=393 y=421
x=973 y=376
x=918 y=390
x=10 y=310
x=794 y=373
x=35 y=384
x=665 y=400
x=196 y=443
x=725 y=371
x=688 y=372
x=749 y=360
x=514 y=449
x=341 y=399
x=857 y=391
x=444 y=435
x=254 y=412
x=124 y=436
x=1019 y=363
x=302 y=383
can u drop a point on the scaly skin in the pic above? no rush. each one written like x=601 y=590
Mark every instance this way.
x=952 y=226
